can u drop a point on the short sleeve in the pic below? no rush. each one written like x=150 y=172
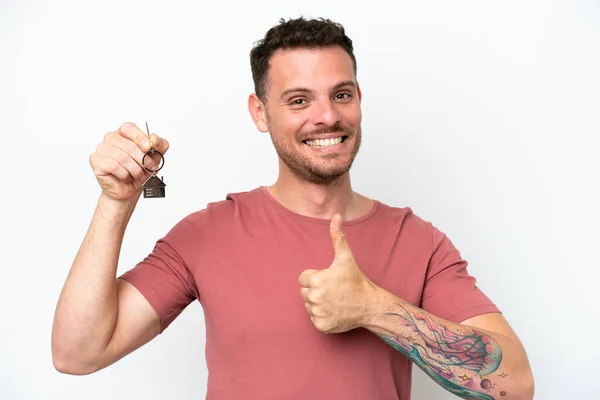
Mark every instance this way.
x=449 y=291
x=165 y=277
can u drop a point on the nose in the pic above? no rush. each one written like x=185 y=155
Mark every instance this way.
x=325 y=113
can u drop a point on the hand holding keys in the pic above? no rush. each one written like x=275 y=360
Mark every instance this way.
x=125 y=163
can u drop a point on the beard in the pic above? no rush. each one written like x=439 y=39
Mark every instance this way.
x=329 y=168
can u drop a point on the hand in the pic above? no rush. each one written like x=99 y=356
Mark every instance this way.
x=117 y=161
x=337 y=298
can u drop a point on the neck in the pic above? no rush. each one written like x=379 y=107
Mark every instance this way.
x=319 y=201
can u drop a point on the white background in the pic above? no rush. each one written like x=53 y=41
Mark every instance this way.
x=482 y=116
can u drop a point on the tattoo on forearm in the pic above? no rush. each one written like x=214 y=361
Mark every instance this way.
x=456 y=358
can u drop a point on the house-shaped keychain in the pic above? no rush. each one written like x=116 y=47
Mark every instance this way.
x=154 y=187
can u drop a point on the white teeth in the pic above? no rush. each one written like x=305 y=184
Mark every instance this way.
x=324 y=142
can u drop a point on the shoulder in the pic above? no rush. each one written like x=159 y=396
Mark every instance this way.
x=221 y=214
x=419 y=229
x=403 y=218
x=233 y=206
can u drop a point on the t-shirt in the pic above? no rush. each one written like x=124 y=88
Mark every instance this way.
x=241 y=258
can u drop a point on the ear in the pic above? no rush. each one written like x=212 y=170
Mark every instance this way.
x=258 y=112
x=359 y=91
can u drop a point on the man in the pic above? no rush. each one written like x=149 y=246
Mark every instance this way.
x=309 y=289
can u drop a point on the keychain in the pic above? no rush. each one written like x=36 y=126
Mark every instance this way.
x=154 y=187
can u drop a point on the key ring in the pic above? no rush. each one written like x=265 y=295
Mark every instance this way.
x=162 y=158
x=161 y=164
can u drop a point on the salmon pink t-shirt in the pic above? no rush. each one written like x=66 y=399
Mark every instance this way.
x=241 y=259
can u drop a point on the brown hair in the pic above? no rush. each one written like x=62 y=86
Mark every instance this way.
x=295 y=33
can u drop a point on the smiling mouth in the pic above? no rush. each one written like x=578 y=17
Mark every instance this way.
x=325 y=142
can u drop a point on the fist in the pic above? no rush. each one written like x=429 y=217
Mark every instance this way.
x=117 y=161
x=338 y=298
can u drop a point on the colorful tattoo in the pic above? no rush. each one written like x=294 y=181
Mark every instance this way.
x=455 y=358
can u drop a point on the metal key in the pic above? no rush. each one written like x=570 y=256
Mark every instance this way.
x=154 y=187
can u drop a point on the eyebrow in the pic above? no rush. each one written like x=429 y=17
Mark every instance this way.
x=306 y=90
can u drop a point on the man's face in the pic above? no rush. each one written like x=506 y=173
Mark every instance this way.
x=313 y=112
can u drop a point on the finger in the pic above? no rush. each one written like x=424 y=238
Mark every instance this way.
x=305 y=277
x=104 y=165
x=160 y=144
x=150 y=160
x=131 y=131
x=304 y=293
x=308 y=309
x=318 y=311
x=128 y=146
x=338 y=238
x=125 y=160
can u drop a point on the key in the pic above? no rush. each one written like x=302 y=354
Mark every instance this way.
x=154 y=187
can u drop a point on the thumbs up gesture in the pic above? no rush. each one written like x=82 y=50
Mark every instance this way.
x=337 y=299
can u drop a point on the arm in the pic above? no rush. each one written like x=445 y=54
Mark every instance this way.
x=94 y=309
x=98 y=318
x=480 y=358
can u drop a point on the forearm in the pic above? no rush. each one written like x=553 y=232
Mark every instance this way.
x=471 y=363
x=87 y=308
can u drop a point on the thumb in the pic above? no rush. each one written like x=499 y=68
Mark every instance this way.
x=159 y=143
x=338 y=239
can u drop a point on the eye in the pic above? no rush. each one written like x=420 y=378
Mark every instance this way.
x=343 y=96
x=298 y=102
